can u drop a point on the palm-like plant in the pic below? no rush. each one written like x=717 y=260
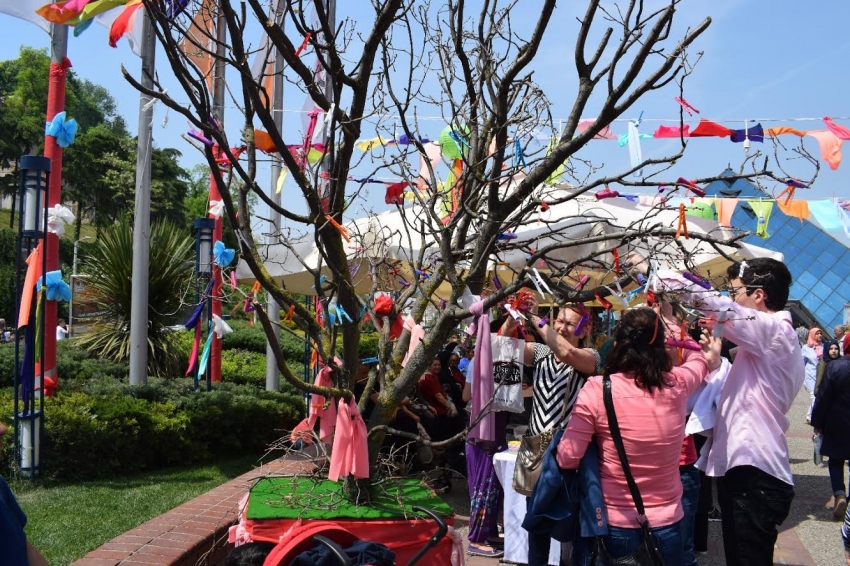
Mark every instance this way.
x=109 y=267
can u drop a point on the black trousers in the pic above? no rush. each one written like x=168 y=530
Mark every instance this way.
x=752 y=504
x=705 y=505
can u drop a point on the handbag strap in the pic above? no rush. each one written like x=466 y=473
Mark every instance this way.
x=608 y=398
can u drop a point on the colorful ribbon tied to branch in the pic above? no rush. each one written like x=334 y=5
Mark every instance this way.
x=63 y=130
x=222 y=256
x=350 y=453
x=217 y=208
x=220 y=326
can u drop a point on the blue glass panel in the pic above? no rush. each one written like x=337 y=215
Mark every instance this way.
x=817 y=269
x=812 y=302
x=797 y=291
x=835 y=248
x=791 y=250
x=833 y=281
x=778 y=239
x=807 y=280
x=808 y=253
x=796 y=266
x=777 y=220
x=822 y=291
x=826 y=312
x=826 y=257
x=838 y=319
x=809 y=231
x=842 y=267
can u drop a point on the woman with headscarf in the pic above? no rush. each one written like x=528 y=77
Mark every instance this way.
x=831 y=418
x=812 y=353
x=831 y=351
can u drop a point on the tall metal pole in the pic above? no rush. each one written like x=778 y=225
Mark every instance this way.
x=142 y=216
x=273 y=308
x=59 y=65
x=215 y=190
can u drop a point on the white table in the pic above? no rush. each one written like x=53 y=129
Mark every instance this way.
x=516 y=538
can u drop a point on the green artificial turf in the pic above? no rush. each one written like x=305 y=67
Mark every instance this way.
x=68 y=520
x=305 y=498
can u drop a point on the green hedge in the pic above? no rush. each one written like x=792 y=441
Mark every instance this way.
x=105 y=428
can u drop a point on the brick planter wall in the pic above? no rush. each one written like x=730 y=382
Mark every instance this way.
x=194 y=533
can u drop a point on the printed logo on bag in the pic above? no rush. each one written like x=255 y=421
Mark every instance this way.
x=507 y=373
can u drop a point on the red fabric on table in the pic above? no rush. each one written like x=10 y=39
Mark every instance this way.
x=404 y=537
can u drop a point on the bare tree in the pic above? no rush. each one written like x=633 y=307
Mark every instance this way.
x=382 y=75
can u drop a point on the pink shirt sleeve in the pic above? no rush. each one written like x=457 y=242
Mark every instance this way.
x=582 y=425
x=691 y=373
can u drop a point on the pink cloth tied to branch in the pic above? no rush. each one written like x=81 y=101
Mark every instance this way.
x=350 y=454
x=328 y=415
x=482 y=375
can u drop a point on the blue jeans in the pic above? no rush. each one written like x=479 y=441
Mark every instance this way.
x=621 y=542
x=538 y=546
x=690 y=498
x=836 y=476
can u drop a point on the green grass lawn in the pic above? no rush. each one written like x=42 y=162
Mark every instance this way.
x=86 y=229
x=68 y=520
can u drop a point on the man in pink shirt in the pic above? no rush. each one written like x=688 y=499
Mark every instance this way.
x=749 y=452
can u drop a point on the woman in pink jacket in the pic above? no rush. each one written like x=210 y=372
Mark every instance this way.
x=650 y=396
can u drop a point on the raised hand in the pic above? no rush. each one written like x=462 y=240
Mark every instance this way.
x=710 y=348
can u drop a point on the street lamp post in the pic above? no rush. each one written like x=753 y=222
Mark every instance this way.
x=204 y=229
x=29 y=387
x=74 y=287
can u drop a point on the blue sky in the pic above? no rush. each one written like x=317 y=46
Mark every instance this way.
x=780 y=59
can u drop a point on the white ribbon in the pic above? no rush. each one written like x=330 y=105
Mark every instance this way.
x=220 y=327
x=217 y=208
x=57 y=217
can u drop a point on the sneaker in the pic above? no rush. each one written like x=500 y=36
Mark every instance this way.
x=484 y=550
x=840 y=508
x=714 y=515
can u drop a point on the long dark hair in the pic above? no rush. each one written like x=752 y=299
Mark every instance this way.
x=639 y=349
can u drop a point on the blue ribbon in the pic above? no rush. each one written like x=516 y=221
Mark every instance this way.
x=222 y=256
x=57 y=290
x=63 y=130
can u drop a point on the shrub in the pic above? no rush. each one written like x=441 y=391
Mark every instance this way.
x=104 y=428
x=110 y=265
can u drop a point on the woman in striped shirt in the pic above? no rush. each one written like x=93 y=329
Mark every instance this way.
x=561 y=367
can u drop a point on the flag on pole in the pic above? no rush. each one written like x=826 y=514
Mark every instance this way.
x=134 y=38
x=25 y=10
x=198 y=45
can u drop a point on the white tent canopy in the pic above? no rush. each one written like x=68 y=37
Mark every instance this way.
x=398 y=237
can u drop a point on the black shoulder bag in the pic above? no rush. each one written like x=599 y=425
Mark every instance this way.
x=647 y=553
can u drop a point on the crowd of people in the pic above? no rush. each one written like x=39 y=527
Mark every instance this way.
x=701 y=382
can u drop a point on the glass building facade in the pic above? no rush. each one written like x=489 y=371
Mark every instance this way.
x=819 y=264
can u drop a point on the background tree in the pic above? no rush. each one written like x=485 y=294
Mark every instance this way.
x=99 y=167
x=375 y=76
